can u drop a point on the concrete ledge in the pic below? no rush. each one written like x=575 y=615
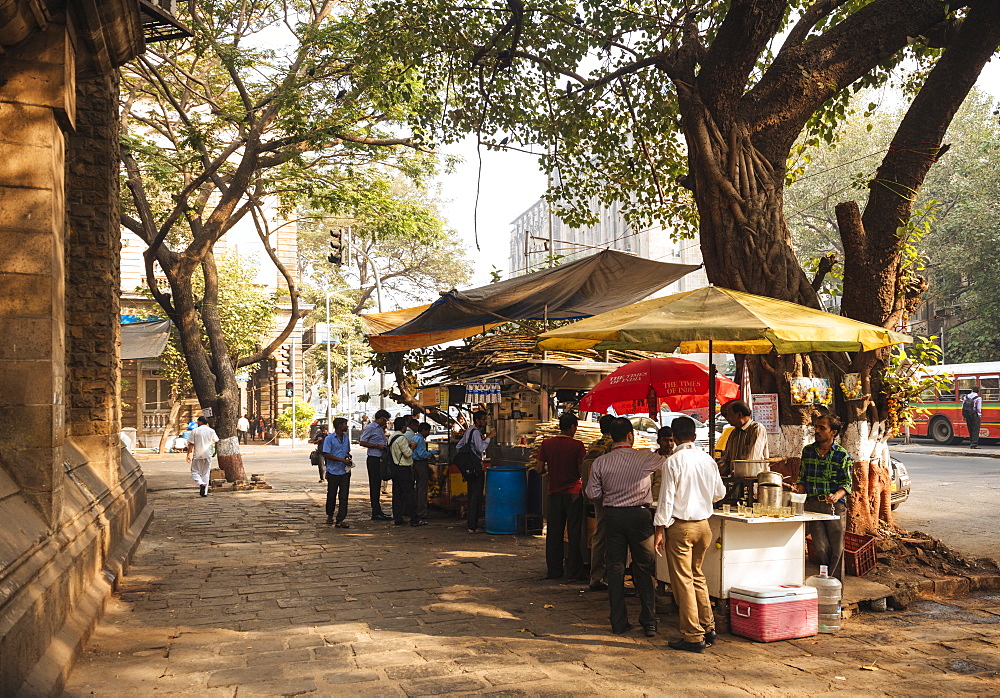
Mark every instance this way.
x=49 y=674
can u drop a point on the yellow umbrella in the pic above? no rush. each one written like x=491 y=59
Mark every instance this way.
x=720 y=319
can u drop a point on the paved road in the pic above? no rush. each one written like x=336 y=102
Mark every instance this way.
x=251 y=594
x=956 y=499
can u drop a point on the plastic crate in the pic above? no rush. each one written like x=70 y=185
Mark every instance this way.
x=859 y=554
x=529 y=524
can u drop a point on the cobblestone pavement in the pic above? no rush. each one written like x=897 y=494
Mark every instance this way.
x=252 y=594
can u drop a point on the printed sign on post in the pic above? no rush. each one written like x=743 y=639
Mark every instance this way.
x=765 y=411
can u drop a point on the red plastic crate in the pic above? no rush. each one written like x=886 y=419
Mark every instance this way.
x=859 y=554
x=765 y=615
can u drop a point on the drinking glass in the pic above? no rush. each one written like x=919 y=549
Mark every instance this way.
x=725 y=509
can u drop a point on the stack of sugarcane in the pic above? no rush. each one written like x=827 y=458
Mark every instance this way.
x=587 y=432
x=494 y=352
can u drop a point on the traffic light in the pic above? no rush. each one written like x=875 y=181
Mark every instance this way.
x=284 y=358
x=289 y=388
x=336 y=255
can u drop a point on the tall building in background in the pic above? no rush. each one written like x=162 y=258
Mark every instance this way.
x=530 y=235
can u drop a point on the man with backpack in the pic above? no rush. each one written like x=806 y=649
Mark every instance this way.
x=972 y=413
x=400 y=455
x=470 y=451
x=373 y=438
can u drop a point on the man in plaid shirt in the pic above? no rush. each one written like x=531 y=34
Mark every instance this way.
x=825 y=475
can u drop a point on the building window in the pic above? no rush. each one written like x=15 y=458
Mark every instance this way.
x=157 y=395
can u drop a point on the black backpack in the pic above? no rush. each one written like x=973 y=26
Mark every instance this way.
x=968 y=407
x=385 y=465
x=467 y=462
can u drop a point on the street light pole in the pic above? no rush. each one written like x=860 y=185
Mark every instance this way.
x=329 y=381
x=378 y=298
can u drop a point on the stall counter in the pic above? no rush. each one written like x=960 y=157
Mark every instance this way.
x=751 y=552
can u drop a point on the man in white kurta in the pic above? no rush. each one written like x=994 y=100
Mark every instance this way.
x=199 y=454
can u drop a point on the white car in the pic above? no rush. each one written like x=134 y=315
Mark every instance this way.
x=644 y=424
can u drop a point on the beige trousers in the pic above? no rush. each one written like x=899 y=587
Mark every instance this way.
x=686 y=545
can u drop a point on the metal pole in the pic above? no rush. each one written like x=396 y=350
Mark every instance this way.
x=347 y=398
x=329 y=380
x=711 y=402
x=291 y=362
x=378 y=298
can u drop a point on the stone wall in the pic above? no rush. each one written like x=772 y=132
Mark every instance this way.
x=93 y=247
x=72 y=504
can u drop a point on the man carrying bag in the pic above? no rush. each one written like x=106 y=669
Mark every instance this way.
x=471 y=449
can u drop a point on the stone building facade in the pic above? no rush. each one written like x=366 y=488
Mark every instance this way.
x=72 y=502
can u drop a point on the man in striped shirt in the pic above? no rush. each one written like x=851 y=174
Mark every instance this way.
x=620 y=481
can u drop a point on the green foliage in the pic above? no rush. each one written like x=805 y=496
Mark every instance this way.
x=559 y=79
x=953 y=237
x=906 y=379
x=304 y=415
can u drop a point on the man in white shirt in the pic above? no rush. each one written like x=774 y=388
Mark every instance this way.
x=242 y=427
x=199 y=454
x=690 y=485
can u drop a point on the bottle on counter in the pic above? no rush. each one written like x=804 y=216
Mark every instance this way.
x=829 y=591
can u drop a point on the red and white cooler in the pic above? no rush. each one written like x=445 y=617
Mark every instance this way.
x=770 y=613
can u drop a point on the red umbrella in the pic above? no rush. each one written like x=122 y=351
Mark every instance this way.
x=679 y=383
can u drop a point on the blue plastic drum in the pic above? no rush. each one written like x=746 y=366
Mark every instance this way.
x=506 y=497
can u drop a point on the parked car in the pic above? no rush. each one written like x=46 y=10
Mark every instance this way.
x=645 y=425
x=900 y=479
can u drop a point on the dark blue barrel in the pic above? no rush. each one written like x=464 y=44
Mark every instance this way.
x=506 y=497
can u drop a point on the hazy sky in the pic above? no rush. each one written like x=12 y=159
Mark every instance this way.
x=511 y=182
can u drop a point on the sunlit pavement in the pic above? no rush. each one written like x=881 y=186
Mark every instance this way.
x=252 y=594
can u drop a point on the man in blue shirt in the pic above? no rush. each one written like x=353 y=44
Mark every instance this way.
x=374 y=439
x=337 y=451
x=421 y=470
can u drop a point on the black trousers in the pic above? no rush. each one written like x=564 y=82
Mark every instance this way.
x=630 y=530
x=565 y=511
x=974 y=422
x=476 y=485
x=337 y=489
x=404 y=500
x=421 y=475
x=828 y=536
x=374 y=464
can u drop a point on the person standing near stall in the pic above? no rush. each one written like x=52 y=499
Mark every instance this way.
x=560 y=457
x=690 y=485
x=421 y=470
x=404 y=501
x=478 y=445
x=747 y=441
x=374 y=439
x=825 y=476
x=597 y=448
x=620 y=480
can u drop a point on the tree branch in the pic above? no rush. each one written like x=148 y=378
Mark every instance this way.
x=814 y=13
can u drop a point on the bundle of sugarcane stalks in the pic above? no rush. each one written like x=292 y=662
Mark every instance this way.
x=495 y=352
x=587 y=432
